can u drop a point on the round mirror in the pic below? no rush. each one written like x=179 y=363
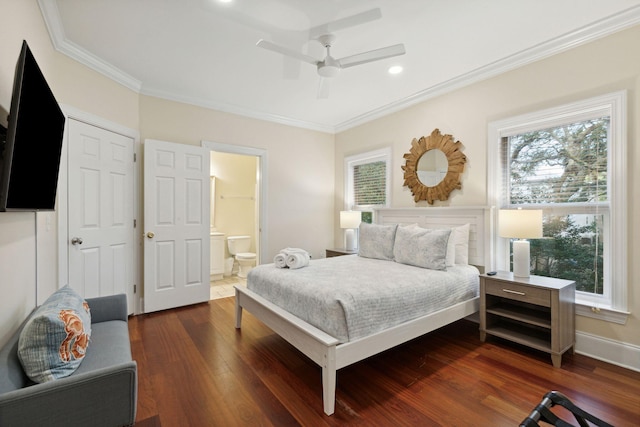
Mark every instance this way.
x=433 y=167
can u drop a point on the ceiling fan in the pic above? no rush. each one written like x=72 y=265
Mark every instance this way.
x=329 y=66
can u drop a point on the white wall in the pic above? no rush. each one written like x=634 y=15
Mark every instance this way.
x=72 y=84
x=301 y=162
x=305 y=190
x=601 y=67
x=299 y=200
x=17 y=270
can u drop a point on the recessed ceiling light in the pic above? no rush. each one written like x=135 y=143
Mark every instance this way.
x=396 y=69
x=225 y=1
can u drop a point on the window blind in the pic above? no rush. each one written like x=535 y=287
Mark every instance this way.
x=369 y=183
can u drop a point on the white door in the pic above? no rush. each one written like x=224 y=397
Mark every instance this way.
x=176 y=221
x=100 y=211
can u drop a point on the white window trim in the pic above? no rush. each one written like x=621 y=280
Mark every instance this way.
x=363 y=158
x=614 y=105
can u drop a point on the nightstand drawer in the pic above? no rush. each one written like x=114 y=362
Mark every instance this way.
x=518 y=292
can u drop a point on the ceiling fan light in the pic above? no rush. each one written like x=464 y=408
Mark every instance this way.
x=328 y=70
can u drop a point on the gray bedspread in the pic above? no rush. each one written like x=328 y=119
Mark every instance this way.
x=350 y=297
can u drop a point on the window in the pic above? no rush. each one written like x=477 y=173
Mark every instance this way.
x=367 y=181
x=563 y=169
x=570 y=162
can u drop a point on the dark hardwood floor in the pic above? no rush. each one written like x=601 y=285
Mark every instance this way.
x=196 y=369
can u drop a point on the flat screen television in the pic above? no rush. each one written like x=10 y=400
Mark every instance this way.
x=30 y=154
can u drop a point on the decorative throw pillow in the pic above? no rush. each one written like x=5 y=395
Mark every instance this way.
x=376 y=241
x=54 y=340
x=422 y=247
x=451 y=244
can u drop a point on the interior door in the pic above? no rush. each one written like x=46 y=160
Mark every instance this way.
x=176 y=218
x=100 y=211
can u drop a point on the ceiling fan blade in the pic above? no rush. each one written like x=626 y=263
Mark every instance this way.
x=341 y=24
x=372 y=55
x=323 y=87
x=286 y=51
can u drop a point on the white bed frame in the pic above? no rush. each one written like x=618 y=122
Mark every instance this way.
x=332 y=355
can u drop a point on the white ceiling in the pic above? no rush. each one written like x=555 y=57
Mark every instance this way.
x=204 y=52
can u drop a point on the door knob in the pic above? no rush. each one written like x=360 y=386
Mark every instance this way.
x=150 y=235
x=76 y=241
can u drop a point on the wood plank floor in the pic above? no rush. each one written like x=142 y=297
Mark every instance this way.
x=196 y=369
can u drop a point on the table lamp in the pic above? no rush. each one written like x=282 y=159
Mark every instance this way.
x=520 y=224
x=349 y=221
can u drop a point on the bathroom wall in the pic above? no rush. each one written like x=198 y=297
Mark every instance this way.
x=235 y=203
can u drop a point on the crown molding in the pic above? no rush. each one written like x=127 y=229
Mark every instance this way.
x=586 y=34
x=52 y=20
x=235 y=109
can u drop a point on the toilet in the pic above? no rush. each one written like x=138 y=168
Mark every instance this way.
x=239 y=248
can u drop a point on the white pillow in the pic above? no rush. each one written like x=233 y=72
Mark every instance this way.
x=460 y=239
x=421 y=247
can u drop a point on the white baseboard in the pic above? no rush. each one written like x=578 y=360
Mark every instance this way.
x=615 y=352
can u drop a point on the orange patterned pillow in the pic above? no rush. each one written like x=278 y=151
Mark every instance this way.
x=54 y=340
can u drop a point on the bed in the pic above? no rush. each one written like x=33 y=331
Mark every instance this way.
x=357 y=331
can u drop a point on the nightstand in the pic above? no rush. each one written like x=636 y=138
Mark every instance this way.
x=535 y=311
x=339 y=252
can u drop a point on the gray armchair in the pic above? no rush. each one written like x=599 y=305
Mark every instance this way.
x=101 y=392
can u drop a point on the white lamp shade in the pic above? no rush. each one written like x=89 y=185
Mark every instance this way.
x=520 y=223
x=350 y=219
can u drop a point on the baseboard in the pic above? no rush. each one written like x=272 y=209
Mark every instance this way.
x=615 y=352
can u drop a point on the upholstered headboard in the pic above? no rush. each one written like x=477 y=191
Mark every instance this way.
x=480 y=219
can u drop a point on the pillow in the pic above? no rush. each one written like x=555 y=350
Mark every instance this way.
x=460 y=238
x=422 y=247
x=54 y=340
x=376 y=241
x=457 y=246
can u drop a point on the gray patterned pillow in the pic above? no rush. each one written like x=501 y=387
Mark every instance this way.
x=376 y=241
x=422 y=247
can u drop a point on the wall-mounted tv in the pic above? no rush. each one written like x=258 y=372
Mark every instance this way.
x=30 y=154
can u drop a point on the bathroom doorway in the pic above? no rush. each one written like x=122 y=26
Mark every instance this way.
x=237 y=209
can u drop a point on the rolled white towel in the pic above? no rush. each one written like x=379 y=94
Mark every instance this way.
x=298 y=260
x=280 y=260
x=289 y=251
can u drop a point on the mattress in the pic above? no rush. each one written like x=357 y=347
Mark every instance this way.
x=351 y=297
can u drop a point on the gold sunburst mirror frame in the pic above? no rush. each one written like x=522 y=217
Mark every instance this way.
x=451 y=181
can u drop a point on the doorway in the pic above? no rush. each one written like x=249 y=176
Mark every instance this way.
x=238 y=206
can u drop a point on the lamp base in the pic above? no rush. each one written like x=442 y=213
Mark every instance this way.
x=350 y=239
x=521 y=258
